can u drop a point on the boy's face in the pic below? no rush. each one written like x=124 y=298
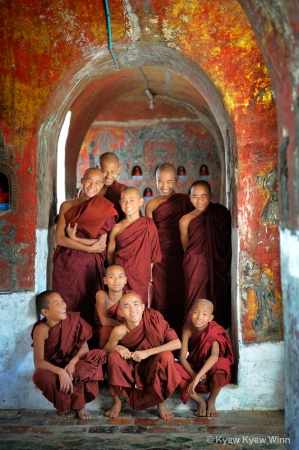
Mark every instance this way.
x=115 y=278
x=165 y=181
x=200 y=198
x=201 y=314
x=130 y=202
x=131 y=308
x=92 y=183
x=56 y=309
x=110 y=172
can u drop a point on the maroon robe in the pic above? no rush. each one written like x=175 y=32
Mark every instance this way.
x=136 y=248
x=168 y=276
x=199 y=348
x=63 y=343
x=102 y=332
x=113 y=195
x=78 y=275
x=207 y=261
x=152 y=380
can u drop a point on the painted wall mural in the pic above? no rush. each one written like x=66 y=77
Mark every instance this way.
x=180 y=144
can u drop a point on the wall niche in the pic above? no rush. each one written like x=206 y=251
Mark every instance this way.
x=8 y=189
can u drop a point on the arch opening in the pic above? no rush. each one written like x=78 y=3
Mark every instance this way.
x=180 y=92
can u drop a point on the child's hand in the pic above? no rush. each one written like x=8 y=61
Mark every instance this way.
x=123 y=351
x=192 y=386
x=71 y=231
x=194 y=383
x=98 y=247
x=70 y=368
x=65 y=382
x=139 y=355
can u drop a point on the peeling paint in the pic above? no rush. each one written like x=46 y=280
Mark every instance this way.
x=134 y=29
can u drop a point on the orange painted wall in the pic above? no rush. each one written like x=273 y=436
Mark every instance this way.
x=41 y=41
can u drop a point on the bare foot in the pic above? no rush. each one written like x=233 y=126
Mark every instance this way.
x=211 y=411
x=116 y=408
x=70 y=414
x=164 y=412
x=83 y=414
x=202 y=406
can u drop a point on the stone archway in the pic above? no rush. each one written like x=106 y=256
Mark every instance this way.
x=85 y=89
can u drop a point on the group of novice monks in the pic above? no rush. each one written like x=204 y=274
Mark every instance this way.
x=134 y=290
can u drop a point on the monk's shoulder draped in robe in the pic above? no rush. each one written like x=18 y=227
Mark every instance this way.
x=136 y=248
x=78 y=275
x=152 y=380
x=113 y=195
x=200 y=345
x=63 y=343
x=102 y=332
x=168 y=277
x=207 y=260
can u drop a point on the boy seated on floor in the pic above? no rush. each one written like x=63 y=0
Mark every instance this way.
x=140 y=359
x=208 y=366
x=67 y=372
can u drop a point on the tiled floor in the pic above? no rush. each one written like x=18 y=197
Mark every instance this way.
x=44 y=430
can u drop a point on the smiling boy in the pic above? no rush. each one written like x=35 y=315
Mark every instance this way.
x=134 y=244
x=207 y=368
x=107 y=304
x=67 y=372
x=206 y=240
x=81 y=233
x=140 y=360
x=109 y=164
x=166 y=209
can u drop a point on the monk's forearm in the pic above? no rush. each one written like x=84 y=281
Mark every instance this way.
x=169 y=346
x=107 y=322
x=73 y=245
x=42 y=364
x=207 y=365
x=85 y=241
x=184 y=363
x=82 y=351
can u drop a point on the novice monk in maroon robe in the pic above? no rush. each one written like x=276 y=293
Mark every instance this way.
x=81 y=233
x=112 y=189
x=66 y=372
x=107 y=313
x=140 y=361
x=206 y=239
x=134 y=244
x=166 y=209
x=207 y=368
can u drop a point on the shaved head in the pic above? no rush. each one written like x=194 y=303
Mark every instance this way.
x=204 y=302
x=201 y=183
x=109 y=157
x=166 y=167
x=92 y=170
x=114 y=266
x=129 y=190
x=129 y=296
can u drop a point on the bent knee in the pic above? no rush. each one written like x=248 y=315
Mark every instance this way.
x=113 y=357
x=167 y=357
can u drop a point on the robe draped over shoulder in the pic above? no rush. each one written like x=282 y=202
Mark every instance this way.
x=136 y=248
x=150 y=381
x=199 y=348
x=168 y=276
x=63 y=343
x=102 y=332
x=207 y=261
x=78 y=275
x=113 y=195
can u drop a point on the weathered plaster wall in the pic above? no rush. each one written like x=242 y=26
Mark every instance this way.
x=48 y=41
